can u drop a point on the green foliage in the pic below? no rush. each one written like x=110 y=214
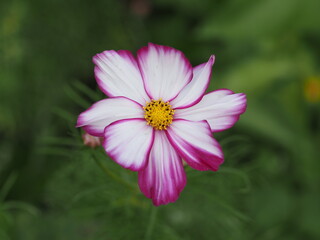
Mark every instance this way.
x=54 y=187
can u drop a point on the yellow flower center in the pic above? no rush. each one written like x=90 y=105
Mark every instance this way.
x=158 y=114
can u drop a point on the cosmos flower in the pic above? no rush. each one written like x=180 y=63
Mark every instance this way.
x=157 y=114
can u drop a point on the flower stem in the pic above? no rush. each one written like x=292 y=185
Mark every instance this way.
x=153 y=216
x=114 y=176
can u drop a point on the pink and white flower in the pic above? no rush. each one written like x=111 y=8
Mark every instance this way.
x=157 y=114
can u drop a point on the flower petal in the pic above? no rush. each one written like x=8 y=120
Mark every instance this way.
x=128 y=142
x=117 y=74
x=102 y=113
x=164 y=178
x=221 y=108
x=195 y=144
x=193 y=92
x=165 y=71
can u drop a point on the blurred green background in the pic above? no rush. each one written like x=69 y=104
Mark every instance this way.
x=54 y=187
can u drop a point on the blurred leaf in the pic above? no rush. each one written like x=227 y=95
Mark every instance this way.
x=8 y=185
x=252 y=77
x=254 y=21
x=22 y=207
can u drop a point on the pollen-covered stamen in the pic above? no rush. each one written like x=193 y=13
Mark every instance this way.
x=158 y=114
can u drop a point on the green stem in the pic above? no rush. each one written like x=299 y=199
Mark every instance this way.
x=153 y=216
x=114 y=176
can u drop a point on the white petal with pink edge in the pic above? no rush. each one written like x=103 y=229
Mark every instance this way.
x=221 y=108
x=106 y=111
x=128 y=142
x=117 y=74
x=195 y=144
x=194 y=91
x=165 y=71
x=164 y=178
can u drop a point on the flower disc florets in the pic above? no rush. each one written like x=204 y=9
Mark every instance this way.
x=158 y=114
